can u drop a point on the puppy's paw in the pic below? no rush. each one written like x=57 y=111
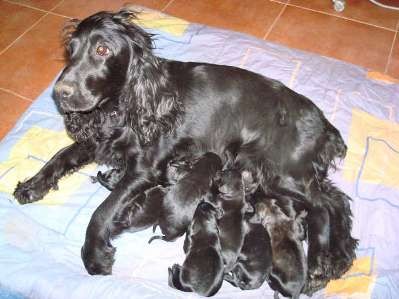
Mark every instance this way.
x=30 y=191
x=98 y=258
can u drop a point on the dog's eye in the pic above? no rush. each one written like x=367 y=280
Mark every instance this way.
x=102 y=50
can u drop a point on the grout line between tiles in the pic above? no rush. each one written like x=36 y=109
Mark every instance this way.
x=16 y=94
x=56 y=6
x=31 y=27
x=167 y=5
x=21 y=35
x=340 y=17
x=279 y=1
x=390 y=52
x=38 y=9
x=274 y=22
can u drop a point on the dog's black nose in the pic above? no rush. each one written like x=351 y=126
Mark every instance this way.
x=63 y=90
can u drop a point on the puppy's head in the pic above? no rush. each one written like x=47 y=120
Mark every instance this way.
x=230 y=182
x=205 y=218
x=267 y=212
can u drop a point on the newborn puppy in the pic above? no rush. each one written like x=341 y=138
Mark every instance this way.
x=289 y=266
x=144 y=210
x=183 y=198
x=231 y=199
x=202 y=270
x=140 y=213
x=255 y=260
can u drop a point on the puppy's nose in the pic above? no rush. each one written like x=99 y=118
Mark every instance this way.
x=63 y=90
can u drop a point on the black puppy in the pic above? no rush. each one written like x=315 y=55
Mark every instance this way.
x=231 y=199
x=182 y=199
x=202 y=270
x=255 y=260
x=289 y=265
x=176 y=169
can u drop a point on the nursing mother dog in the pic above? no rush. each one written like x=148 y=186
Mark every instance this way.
x=130 y=110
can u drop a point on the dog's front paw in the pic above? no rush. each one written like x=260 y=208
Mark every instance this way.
x=98 y=258
x=30 y=191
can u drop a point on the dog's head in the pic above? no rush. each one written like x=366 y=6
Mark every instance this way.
x=100 y=50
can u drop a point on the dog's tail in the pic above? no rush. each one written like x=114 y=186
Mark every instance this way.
x=332 y=147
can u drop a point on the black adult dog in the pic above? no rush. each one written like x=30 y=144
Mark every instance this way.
x=128 y=109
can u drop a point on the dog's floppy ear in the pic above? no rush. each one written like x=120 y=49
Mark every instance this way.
x=68 y=30
x=141 y=40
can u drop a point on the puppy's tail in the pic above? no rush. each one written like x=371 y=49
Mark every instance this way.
x=155 y=238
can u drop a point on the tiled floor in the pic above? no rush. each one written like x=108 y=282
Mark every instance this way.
x=31 y=55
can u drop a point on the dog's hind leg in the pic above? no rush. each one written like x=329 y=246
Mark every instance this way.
x=342 y=244
x=318 y=257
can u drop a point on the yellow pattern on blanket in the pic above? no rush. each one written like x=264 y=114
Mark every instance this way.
x=156 y=20
x=357 y=283
x=27 y=157
x=381 y=164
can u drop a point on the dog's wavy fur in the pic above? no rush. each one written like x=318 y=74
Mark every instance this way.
x=129 y=109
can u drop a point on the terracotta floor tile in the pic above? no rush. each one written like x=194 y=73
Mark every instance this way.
x=253 y=17
x=393 y=68
x=11 y=108
x=83 y=8
x=350 y=41
x=361 y=10
x=34 y=60
x=14 y=20
x=42 y=4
